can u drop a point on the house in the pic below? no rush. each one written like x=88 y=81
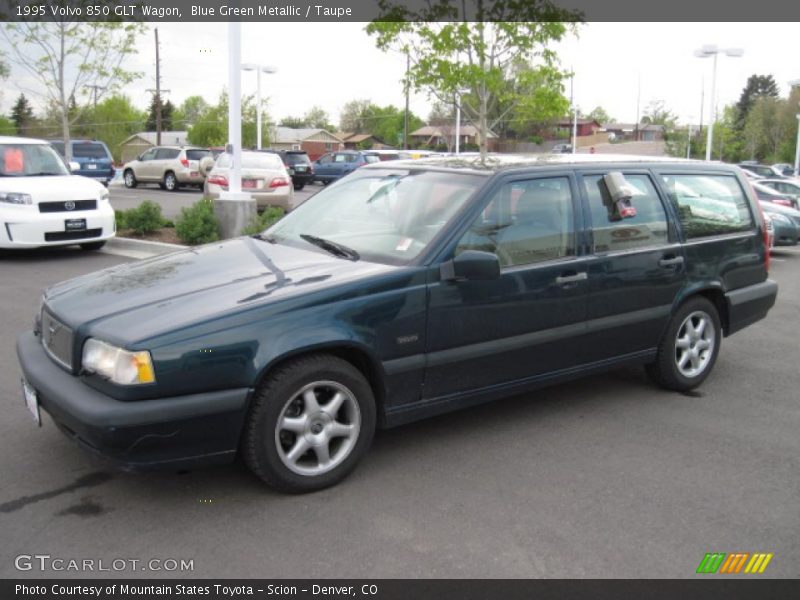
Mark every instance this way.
x=133 y=146
x=358 y=141
x=650 y=132
x=620 y=131
x=585 y=127
x=315 y=142
x=432 y=135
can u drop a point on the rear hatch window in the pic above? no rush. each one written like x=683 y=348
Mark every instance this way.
x=89 y=150
x=197 y=154
x=297 y=159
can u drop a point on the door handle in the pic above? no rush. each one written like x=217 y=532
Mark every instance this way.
x=574 y=278
x=671 y=261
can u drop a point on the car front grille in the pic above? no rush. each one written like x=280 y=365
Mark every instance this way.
x=57 y=340
x=65 y=236
x=67 y=206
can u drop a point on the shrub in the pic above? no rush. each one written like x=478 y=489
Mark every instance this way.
x=197 y=224
x=266 y=219
x=121 y=217
x=143 y=219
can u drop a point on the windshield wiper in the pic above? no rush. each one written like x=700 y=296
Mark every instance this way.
x=331 y=247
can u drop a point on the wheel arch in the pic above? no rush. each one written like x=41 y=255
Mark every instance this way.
x=714 y=293
x=358 y=356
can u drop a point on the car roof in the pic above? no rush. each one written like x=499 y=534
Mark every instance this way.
x=494 y=163
x=9 y=139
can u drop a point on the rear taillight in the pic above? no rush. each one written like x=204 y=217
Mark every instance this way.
x=218 y=180
x=278 y=182
x=185 y=162
x=764 y=231
x=782 y=202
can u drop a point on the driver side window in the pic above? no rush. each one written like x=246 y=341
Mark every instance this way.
x=149 y=155
x=526 y=222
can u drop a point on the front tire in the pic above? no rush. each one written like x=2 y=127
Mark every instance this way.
x=689 y=348
x=299 y=186
x=310 y=423
x=130 y=179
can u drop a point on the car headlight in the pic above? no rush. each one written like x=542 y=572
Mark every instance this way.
x=15 y=198
x=118 y=365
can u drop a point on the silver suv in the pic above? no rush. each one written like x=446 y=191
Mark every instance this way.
x=168 y=166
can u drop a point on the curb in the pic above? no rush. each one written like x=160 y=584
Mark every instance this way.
x=139 y=248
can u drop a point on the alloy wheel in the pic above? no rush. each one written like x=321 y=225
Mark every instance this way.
x=694 y=344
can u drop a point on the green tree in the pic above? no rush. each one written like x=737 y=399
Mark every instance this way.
x=294 y=122
x=67 y=58
x=756 y=87
x=189 y=112
x=114 y=120
x=763 y=128
x=22 y=115
x=167 y=108
x=474 y=44
x=600 y=115
x=7 y=126
x=357 y=116
x=318 y=118
x=657 y=113
x=211 y=129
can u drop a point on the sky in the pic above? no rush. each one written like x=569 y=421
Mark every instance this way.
x=329 y=64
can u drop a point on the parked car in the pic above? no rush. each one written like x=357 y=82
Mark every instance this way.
x=384 y=154
x=562 y=149
x=334 y=165
x=169 y=166
x=769 y=194
x=93 y=157
x=299 y=167
x=788 y=187
x=786 y=222
x=762 y=171
x=264 y=176
x=407 y=289
x=784 y=169
x=43 y=204
x=417 y=154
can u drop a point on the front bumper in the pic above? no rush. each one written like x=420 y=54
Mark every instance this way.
x=175 y=432
x=26 y=227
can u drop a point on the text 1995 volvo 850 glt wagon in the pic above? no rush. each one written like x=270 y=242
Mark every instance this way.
x=405 y=290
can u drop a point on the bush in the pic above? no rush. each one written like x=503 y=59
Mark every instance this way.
x=266 y=219
x=121 y=217
x=146 y=218
x=197 y=224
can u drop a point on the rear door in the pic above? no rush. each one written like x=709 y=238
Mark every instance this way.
x=636 y=272
x=527 y=323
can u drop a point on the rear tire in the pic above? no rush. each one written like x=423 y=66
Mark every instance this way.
x=170 y=182
x=299 y=186
x=689 y=348
x=310 y=423
x=130 y=179
x=89 y=246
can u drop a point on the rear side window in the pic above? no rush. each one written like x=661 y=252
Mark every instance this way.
x=371 y=158
x=167 y=153
x=197 y=154
x=89 y=150
x=526 y=222
x=647 y=228
x=709 y=204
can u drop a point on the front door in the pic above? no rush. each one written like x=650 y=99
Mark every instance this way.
x=636 y=272
x=483 y=334
x=144 y=170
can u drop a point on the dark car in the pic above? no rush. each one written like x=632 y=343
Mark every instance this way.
x=761 y=170
x=93 y=157
x=405 y=290
x=334 y=165
x=786 y=223
x=299 y=166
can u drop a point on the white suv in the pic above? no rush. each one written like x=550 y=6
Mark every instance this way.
x=43 y=204
x=168 y=166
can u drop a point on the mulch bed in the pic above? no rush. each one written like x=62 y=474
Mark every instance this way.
x=165 y=234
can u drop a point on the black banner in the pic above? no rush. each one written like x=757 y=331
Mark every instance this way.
x=368 y=10
x=707 y=588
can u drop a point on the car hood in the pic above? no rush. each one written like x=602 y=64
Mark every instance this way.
x=54 y=188
x=139 y=300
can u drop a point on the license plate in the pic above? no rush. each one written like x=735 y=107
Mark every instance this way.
x=32 y=402
x=249 y=183
x=91 y=167
x=74 y=224
x=194 y=173
x=300 y=169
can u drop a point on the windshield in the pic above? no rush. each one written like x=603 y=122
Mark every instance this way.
x=253 y=160
x=89 y=150
x=28 y=160
x=385 y=215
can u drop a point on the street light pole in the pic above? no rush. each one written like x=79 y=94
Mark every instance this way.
x=258 y=69
x=792 y=85
x=704 y=52
x=458 y=123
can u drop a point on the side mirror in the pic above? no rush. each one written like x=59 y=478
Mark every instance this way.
x=74 y=166
x=471 y=265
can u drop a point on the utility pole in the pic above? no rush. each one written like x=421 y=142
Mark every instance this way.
x=638 y=105
x=158 y=91
x=405 y=119
x=94 y=89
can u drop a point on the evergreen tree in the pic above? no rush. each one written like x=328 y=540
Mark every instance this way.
x=167 y=108
x=22 y=115
x=757 y=86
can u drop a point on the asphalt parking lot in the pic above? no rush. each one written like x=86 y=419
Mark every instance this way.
x=171 y=203
x=604 y=477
